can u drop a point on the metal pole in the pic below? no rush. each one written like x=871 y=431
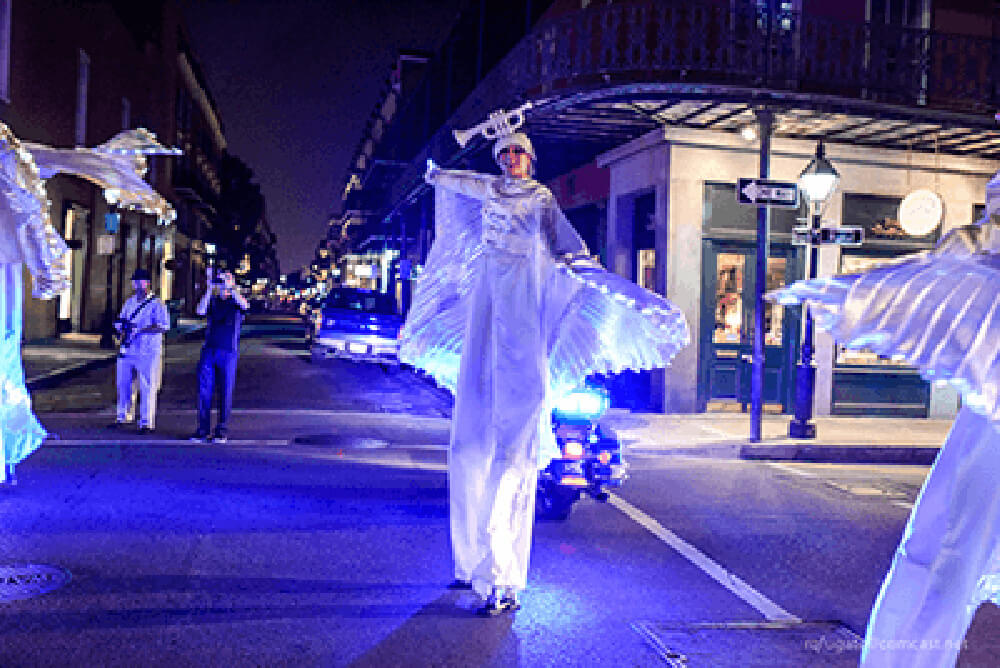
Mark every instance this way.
x=805 y=372
x=765 y=119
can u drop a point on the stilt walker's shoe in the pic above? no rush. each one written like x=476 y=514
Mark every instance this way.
x=501 y=605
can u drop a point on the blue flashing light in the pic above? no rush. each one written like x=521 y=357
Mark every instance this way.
x=585 y=403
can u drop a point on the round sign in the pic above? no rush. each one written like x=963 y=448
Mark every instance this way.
x=920 y=212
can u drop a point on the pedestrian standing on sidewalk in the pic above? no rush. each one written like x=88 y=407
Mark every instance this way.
x=141 y=324
x=224 y=308
x=512 y=311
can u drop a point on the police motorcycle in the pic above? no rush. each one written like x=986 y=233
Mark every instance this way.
x=591 y=460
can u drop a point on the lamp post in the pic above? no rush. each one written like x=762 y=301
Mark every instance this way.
x=817 y=181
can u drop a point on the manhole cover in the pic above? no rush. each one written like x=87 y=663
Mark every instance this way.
x=745 y=644
x=341 y=441
x=29 y=580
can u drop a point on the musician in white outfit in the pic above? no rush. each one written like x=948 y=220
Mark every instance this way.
x=141 y=324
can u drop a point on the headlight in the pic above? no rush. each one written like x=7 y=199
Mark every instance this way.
x=573 y=449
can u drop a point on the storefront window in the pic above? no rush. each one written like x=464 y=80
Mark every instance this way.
x=729 y=298
x=646 y=268
x=853 y=264
x=774 y=313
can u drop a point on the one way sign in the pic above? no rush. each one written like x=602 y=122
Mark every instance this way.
x=762 y=192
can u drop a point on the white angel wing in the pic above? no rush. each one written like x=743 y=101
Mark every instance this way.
x=118 y=166
x=431 y=338
x=608 y=325
x=940 y=312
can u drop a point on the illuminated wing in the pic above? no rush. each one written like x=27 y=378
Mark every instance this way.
x=938 y=312
x=118 y=166
x=431 y=338
x=606 y=324
x=28 y=235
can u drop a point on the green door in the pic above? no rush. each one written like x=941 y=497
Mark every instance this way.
x=728 y=278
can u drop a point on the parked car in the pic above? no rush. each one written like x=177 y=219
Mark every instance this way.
x=359 y=325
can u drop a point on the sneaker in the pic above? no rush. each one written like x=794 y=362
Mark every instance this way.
x=460 y=584
x=199 y=436
x=144 y=430
x=220 y=438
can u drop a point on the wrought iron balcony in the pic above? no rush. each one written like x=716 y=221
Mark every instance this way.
x=702 y=42
x=596 y=66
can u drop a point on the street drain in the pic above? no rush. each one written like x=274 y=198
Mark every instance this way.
x=745 y=644
x=21 y=581
x=342 y=441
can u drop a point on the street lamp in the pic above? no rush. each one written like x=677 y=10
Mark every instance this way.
x=817 y=181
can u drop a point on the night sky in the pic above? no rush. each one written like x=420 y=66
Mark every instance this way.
x=295 y=82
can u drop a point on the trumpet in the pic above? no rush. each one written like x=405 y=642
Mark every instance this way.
x=499 y=123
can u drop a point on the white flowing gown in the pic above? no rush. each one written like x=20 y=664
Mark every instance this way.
x=940 y=311
x=500 y=321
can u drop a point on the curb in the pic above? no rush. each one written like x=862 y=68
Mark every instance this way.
x=841 y=454
x=50 y=378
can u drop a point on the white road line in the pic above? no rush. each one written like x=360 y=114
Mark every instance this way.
x=139 y=440
x=902 y=504
x=791 y=469
x=765 y=606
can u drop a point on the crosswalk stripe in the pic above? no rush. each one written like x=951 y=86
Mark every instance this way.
x=762 y=604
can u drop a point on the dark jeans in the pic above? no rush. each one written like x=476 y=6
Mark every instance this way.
x=215 y=364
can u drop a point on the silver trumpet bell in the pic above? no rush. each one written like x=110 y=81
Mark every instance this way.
x=499 y=123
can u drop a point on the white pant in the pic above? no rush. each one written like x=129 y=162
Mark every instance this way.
x=147 y=370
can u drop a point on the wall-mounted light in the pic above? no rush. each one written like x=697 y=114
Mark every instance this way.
x=749 y=132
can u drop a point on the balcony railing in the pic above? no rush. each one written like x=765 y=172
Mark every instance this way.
x=702 y=45
x=714 y=43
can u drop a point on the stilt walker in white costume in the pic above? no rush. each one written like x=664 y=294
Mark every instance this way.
x=27 y=237
x=940 y=311
x=510 y=312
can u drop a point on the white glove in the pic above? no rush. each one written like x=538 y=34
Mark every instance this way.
x=432 y=170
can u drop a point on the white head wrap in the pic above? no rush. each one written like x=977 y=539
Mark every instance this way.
x=515 y=139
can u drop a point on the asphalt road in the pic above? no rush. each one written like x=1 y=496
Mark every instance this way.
x=328 y=549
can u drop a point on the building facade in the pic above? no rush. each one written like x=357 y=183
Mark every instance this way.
x=75 y=74
x=645 y=117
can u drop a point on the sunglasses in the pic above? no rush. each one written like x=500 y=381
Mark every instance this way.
x=515 y=150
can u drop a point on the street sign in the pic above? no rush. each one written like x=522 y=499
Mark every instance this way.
x=111 y=221
x=106 y=244
x=764 y=192
x=825 y=236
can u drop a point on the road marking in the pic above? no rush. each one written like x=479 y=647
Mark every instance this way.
x=140 y=440
x=791 y=469
x=857 y=491
x=670 y=657
x=765 y=606
x=65 y=369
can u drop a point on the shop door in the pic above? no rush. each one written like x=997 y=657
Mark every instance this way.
x=727 y=328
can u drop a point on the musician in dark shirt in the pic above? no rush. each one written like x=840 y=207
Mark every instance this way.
x=224 y=308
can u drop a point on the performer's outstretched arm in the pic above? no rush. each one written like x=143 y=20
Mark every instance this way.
x=468 y=183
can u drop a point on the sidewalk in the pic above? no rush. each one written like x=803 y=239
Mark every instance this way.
x=56 y=359
x=727 y=435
